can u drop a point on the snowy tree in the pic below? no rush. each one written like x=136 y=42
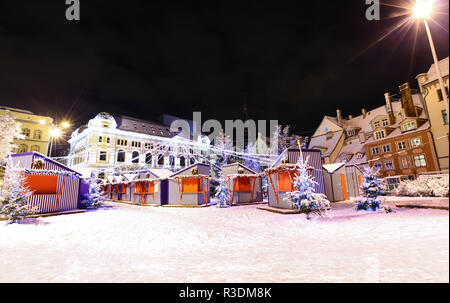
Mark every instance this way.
x=222 y=192
x=304 y=196
x=95 y=196
x=370 y=191
x=9 y=130
x=14 y=195
x=250 y=160
x=286 y=140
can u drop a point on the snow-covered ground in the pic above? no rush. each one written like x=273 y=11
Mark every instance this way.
x=125 y=243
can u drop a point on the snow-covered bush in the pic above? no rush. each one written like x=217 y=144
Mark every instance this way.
x=371 y=188
x=304 y=196
x=424 y=186
x=14 y=194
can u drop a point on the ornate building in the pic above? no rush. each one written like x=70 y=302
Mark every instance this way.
x=35 y=128
x=115 y=143
x=395 y=137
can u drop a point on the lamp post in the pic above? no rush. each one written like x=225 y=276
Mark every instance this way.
x=422 y=11
x=54 y=133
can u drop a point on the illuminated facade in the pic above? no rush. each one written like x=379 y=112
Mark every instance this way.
x=114 y=143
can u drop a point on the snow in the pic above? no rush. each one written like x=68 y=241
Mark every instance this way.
x=127 y=243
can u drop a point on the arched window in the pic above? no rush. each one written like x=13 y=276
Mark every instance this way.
x=121 y=156
x=192 y=161
x=148 y=158
x=182 y=161
x=37 y=134
x=135 y=157
x=35 y=148
x=160 y=159
x=23 y=148
x=171 y=160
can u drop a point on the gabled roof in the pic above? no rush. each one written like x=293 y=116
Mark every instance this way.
x=188 y=168
x=331 y=168
x=241 y=165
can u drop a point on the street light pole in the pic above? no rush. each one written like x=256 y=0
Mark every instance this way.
x=438 y=70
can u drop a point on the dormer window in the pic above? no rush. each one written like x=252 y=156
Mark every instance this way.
x=410 y=125
x=385 y=122
x=376 y=124
x=379 y=134
x=351 y=132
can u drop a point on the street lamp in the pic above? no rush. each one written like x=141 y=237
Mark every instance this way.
x=54 y=134
x=422 y=11
x=65 y=124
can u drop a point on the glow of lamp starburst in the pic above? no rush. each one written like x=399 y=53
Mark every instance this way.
x=423 y=9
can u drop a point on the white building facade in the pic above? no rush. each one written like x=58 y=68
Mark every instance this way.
x=114 y=143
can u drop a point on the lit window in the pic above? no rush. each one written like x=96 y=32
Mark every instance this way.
x=389 y=164
x=404 y=162
x=37 y=134
x=419 y=161
x=415 y=142
x=409 y=125
x=35 y=148
x=377 y=165
x=445 y=116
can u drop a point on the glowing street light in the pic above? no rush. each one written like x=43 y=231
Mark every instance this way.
x=55 y=132
x=65 y=124
x=422 y=11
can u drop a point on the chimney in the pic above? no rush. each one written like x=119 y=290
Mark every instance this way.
x=389 y=109
x=407 y=101
x=364 y=113
x=339 y=116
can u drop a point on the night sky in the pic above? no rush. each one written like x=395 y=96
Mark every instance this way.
x=288 y=60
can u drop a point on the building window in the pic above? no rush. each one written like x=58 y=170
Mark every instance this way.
x=160 y=160
x=26 y=132
x=148 y=145
x=386 y=148
x=415 y=142
x=122 y=142
x=351 y=132
x=102 y=156
x=135 y=144
x=375 y=151
x=182 y=161
x=404 y=162
x=410 y=125
x=445 y=116
x=376 y=124
x=419 y=161
x=401 y=145
x=100 y=139
x=385 y=122
x=135 y=157
x=148 y=158
x=35 y=148
x=389 y=164
x=439 y=93
x=37 y=134
x=23 y=148
x=379 y=134
x=377 y=165
x=121 y=156
x=108 y=140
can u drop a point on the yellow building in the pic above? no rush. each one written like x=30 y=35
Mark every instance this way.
x=35 y=128
x=435 y=107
